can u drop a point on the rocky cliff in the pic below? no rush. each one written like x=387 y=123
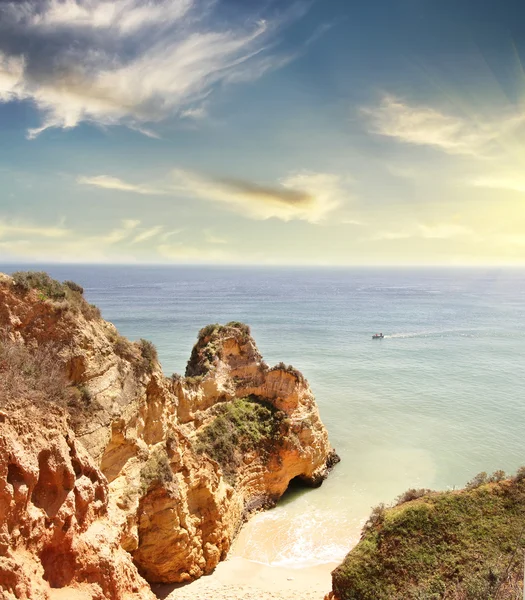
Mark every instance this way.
x=103 y=453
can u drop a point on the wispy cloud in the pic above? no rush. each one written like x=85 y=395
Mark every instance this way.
x=436 y=231
x=8 y=229
x=121 y=233
x=124 y=241
x=122 y=16
x=113 y=183
x=127 y=61
x=147 y=234
x=514 y=182
x=427 y=126
x=304 y=195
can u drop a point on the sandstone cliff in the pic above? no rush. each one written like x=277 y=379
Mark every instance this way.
x=126 y=459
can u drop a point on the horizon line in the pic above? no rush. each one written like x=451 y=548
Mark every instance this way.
x=272 y=265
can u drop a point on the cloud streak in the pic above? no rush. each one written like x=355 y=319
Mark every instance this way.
x=113 y=183
x=126 y=62
x=427 y=126
x=8 y=229
x=304 y=195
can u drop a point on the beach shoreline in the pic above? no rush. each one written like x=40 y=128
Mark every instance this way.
x=239 y=578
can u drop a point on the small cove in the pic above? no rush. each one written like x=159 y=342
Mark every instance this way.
x=436 y=401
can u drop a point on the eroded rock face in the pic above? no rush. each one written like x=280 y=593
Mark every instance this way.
x=163 y=496
x=54 y=530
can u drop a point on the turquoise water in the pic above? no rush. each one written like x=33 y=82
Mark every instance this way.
x=438 y=400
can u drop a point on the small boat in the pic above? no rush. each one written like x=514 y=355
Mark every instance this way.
x=378 y=336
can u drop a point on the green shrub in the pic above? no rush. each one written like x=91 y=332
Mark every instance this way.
x=376 y=518
x=206 y=350
x=245 y=329
x=497 y=476
x=240 y=426
x=38 y=280
x=209 y=330
x=90 y=311
x=149 y=354
x=123 y=347
x=412 y=494
x=194 y=381
x=156 y=471
x=289 y=369
x=74 y=287
x=520 y=474
x=477 y=481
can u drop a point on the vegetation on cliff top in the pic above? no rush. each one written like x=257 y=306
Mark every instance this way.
x=67 y=294
x=461 y=545
x=239 y=427
x=206 y=349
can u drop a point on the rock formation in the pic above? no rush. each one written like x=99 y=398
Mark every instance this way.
x=126 y=469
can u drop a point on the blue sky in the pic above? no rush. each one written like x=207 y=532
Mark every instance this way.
x=221 y=131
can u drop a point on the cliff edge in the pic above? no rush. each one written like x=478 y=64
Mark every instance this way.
x=112 y=473
x=465 y=544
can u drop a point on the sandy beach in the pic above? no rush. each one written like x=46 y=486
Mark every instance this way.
x=238 y=578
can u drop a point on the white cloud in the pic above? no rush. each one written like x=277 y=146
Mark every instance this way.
x=305 y=195
x=514 y=182
x=169 y=234
x=426 y=126
x=113 y=183
x=123 y=16
x=11 y=76
x=302 y=195
x=117 y=244
x=132 y=62
x=8 y=229
x=121 y=233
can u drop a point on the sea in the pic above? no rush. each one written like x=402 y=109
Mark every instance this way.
x=438 y=400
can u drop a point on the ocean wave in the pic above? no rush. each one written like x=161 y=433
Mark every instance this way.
x=294 y=541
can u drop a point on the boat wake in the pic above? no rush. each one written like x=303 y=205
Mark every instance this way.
x=432 y=333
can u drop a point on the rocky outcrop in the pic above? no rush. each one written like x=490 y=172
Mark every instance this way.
x=54 y=526
x=167 y=488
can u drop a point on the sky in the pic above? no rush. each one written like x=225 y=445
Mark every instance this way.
x=286 y=132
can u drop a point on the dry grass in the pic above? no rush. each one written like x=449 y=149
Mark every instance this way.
x=31 y=374
x=34 y=376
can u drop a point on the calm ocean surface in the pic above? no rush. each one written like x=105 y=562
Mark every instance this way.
x=438 y=400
